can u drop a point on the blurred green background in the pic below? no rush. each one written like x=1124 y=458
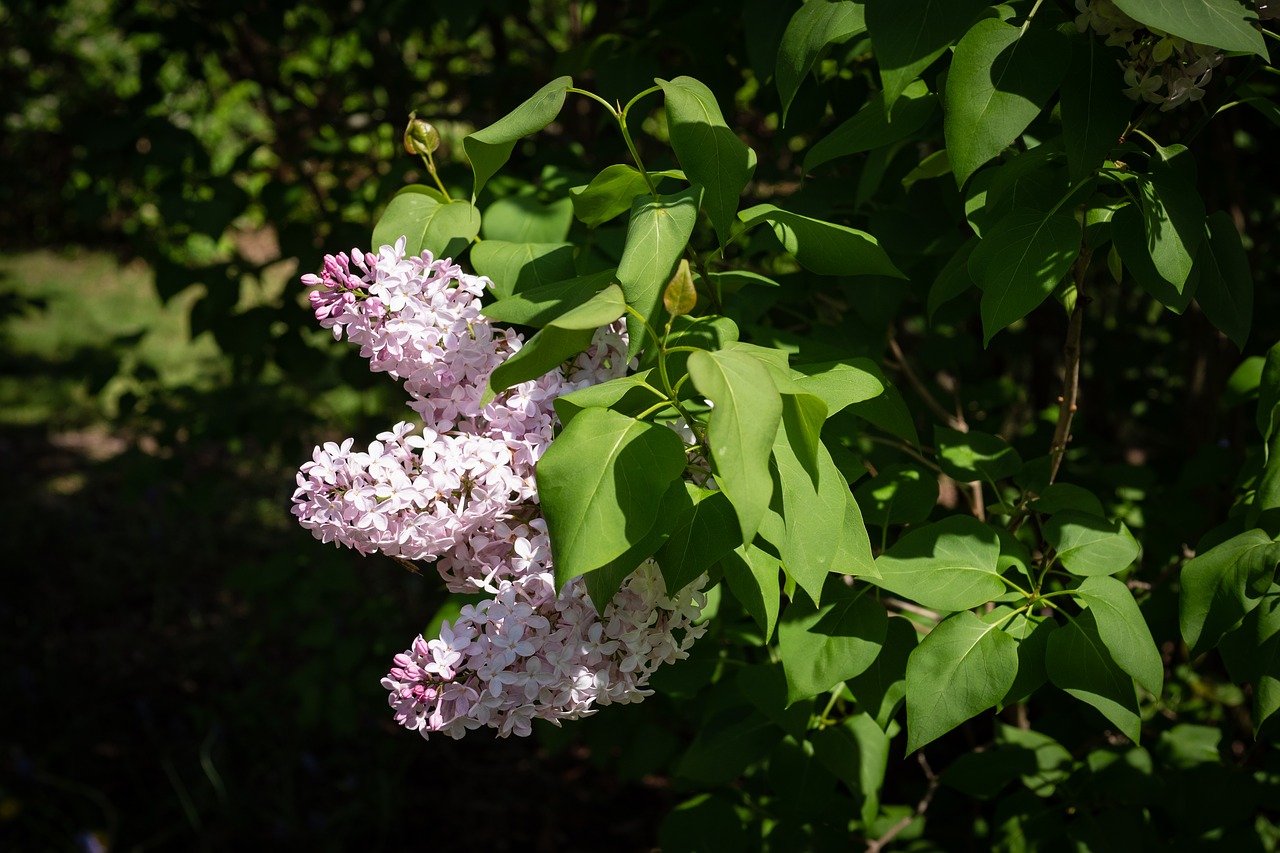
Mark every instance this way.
x=185 y=667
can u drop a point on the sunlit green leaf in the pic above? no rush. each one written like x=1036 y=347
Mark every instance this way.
x=1226 y=24
x=742 y=428
x=489 y=148
x=1123 y=630
x=600 y=484
x=1223 y=584
x=657 y=234
x=909 y=35
x=1088 y=545
x=961 y=668
x=516 y=267
x=973 y=455
x=712 y=155
x=950 y=565
x=444 y=230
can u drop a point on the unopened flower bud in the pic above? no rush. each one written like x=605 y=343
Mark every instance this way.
x=420 y=137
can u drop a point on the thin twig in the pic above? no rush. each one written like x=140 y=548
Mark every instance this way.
x=955 y=422
x=1071 y=369
x=878 y=844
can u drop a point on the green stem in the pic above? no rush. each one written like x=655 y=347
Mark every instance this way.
x=656 y=407
x=1027 y=23
x=431 y=169
x=631 y=146
x=593 y=96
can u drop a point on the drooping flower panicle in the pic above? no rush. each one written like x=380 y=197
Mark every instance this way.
x=461 y=493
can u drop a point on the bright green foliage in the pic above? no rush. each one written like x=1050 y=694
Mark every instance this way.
x=657 y=234
x=741 y=431
x=1088 y=545
x=804 y=300
x=442 y=228
x=1223 y=584
x=823 y=247
x=601 y=484
x=963 y=667
x=490 y=148
x=950 y=564
x=973 y=455
x=712 y=156
x=560 y=338
x=516 y=267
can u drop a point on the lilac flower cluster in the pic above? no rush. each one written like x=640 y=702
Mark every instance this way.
x=1161 y=68
x=461 y=494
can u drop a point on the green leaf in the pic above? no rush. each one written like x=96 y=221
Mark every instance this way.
x=999 y=81
x=870 y=127
x=711 y=155
x=444 y=230
x=525 y=219
x=489 y=148
x=626 y=394
x=679 y=297
x=1053 y=763
x=731 y=281
x=537 y=306
x=600 y=484
x=949 y=565
x=908 y=35
x=603 y=583
x=1065 y=496
x=657 y=234
x=853 y=556
x=610 y=193
x=813 y=515
x=1123 y=630
x=813 y=26
x=898 y=494
x=1088 y=545
x=1226 y=24
x=883 y=685
x=1252 y=653
x=705 y=532
x=934 y=165
x=1078 y=662
x=821 y=647
x=1032 y=634
x=1225 y=288
x=890 y=413
x=1220 y=586
x=1019 y=263
x=1158 y=241
x=842 y=383
x=516 y=267
x=1095 y=110
x=561 y=338
x=960 y=669
x=753 y=577
x=1269 y=394
x=742 y=428
x=953 y=279
x=823 y=247
x=969 y=456
x=856 y=751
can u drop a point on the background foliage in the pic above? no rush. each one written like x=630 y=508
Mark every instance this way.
x=172 y=167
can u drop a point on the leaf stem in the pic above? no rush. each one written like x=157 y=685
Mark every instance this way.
x=1027 y=23
x=631 y=146
x=431 y=170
